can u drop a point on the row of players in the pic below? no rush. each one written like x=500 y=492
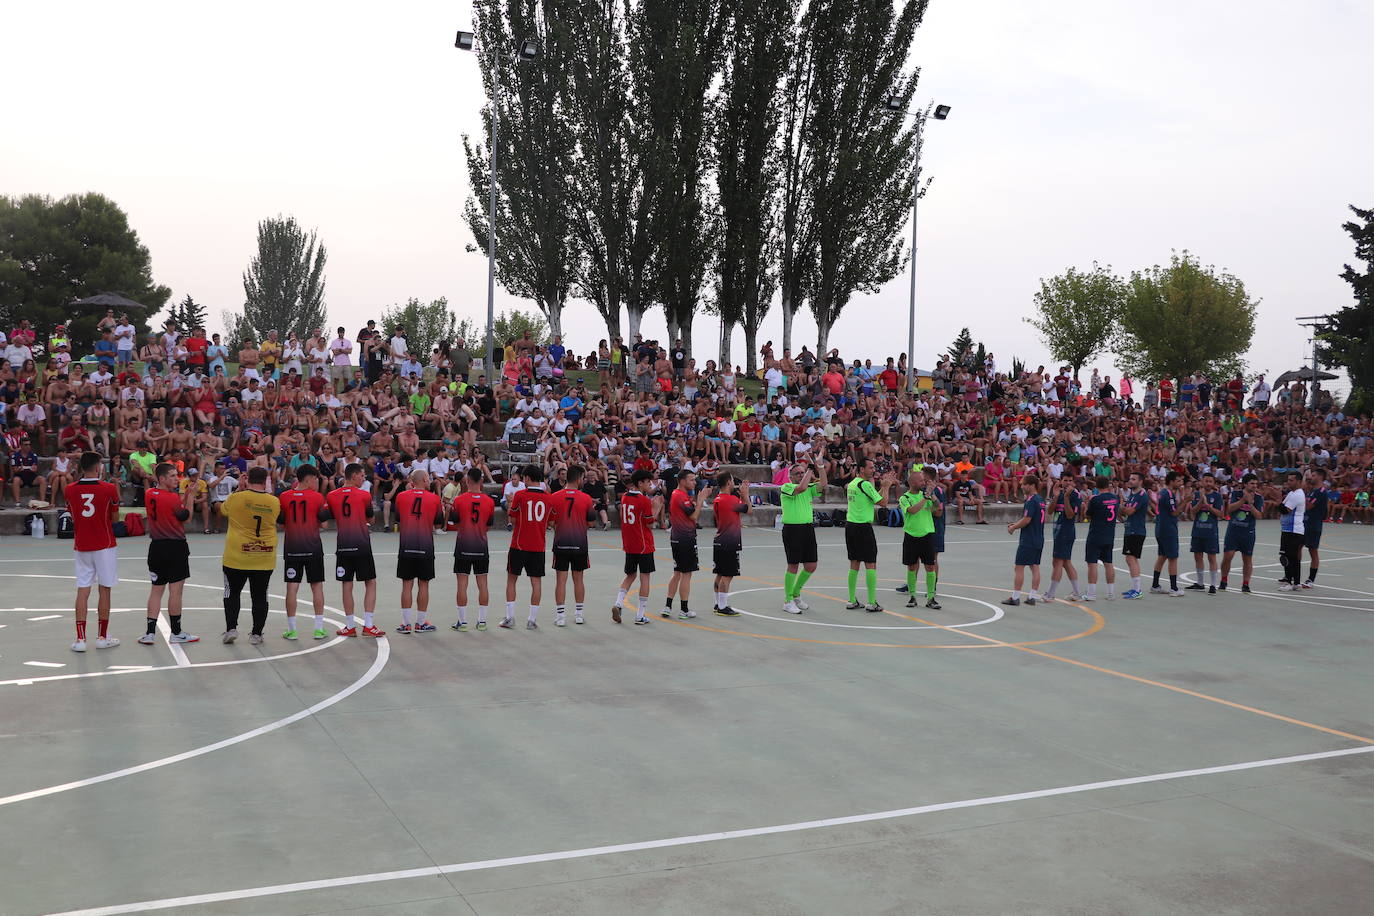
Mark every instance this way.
x=254 y=514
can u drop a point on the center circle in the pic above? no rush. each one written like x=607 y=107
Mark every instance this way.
x=997 y=612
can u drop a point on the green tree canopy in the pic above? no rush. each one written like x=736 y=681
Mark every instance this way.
x=188 y=314
x=55 y=251
x=1349 y=342
x=426 y=324
x=1076 y=313
x=512 y=325
x=283 y=287
x=1182 y=319
x=961 y=350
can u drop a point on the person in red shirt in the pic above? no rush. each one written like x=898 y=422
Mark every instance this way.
x=169 y=557
x=302 y=509
x=637 y=539
x=94 y=503
x=529 y=514
x=572 y=511
x=472 y=512
x=683 y=511
x=1166 y=392
x=728 y=509
x=196 y=345
x=351 y=508
x=419 y=510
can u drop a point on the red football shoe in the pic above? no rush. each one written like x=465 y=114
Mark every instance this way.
x=374 y=632
x=348 y=631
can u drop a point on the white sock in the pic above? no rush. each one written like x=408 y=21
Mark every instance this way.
x=510 y=610
x=352 y=621
x=1073 y=584
x=578 y=608
x=319 y=621
x=462 y=614
x=1015 y=595
x=482 y=613
x=534 y=612
x=422 y=617
x=291 y=622
x=1049 y=592
x=405 y=616
x=643 y=604
x=1092 y=590
x=367 y=618
x=620 y=598
x=1111 y=589
x=561 y=610
x=1216 y=577
x=1135 y=583
x=722 y=599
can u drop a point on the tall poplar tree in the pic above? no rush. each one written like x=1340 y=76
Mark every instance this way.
x=283 y=287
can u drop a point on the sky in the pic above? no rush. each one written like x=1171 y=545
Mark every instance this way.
x=1103 y=131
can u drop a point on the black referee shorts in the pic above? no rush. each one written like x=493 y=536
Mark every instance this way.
x=918 y=549
x=860 y=543
x=799 y=543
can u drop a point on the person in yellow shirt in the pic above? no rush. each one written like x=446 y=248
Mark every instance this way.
x=201 y=501
x=250 y=552
x=271 y=353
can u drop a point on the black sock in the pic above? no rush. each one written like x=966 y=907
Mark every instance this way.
x=152 y=624
x=176 y=623
x=683 y=602
x=1156 y=581
x=1312 y=574
x=1173 y=582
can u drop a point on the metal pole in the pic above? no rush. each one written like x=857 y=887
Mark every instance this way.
x=491 y=218
x=911 y=315
x=1313 y=391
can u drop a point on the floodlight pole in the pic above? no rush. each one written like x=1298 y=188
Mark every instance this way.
x=491 y=212
x=911 y=310
x=1318 y=324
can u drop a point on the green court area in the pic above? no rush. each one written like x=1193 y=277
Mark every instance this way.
x=1210 y=754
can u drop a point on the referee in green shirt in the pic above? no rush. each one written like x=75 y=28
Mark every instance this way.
x=799 y=533
x=859 y=541
x=919 y=504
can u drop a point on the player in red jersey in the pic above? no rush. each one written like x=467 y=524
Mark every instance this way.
x=529 y=513
x=573 y=510
x=729 y=509
x=169 y=563
x=471 y=512
x=419 y=510
x=683 y=511
x=351 y=508
x=637 y=538
x=302 y=510
x=94 y=504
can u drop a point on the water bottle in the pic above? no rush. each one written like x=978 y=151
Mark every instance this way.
x=38 y=527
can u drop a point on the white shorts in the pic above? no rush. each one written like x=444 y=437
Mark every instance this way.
x=97 y=566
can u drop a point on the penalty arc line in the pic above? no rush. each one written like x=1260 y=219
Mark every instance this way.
x=568 y=854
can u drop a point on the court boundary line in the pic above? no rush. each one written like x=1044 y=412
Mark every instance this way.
x=272 y=890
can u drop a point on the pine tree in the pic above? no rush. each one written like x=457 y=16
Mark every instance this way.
x=283 y=287
x=1349 y=341
x=962 y=348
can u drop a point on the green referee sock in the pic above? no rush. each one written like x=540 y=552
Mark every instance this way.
x=911 y=581
x=930 y=584
x=853 y=586
x=871 y=581
x=789 y=584
x=802 y=576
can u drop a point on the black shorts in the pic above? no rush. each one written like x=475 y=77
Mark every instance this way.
x=725 y=561
x=471 y=564
x=304 y=568
x=1133 y=545
x=799 y=543
x=918 y=549
x=576 y=559
x=414 y=566
x=638 y=563
x=350 y=566
x=525 y=563
x=169 y=561
x=685 y=557
x=860 y=543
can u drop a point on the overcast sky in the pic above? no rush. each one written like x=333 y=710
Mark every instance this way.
x=1081 y=131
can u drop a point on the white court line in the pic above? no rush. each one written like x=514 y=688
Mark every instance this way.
x=164 y=629
x=43 y=617
x=47 y=664
x=383 y=653
x=997 y=612
x=564 y=855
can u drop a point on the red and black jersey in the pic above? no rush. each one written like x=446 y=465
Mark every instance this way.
x=729 y=509
x=94 y=504
x=529 y=514
x=352 y=511
x=636 y=523
x=166 y=512
x=471 y=512
x=682 y=518
x=301 y=514
x=418 y=512
x=572 y=510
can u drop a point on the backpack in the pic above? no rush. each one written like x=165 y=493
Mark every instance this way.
x=66 y=528
x=821 y=519
x=120 y=529
x=894 y=518
x=133 y=523
x=837 y=518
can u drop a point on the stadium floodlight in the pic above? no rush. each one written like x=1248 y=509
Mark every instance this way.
x=941 y=112
x=528 y=49
x=893 y=102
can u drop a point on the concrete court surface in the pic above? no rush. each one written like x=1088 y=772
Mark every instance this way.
x=1043 y=760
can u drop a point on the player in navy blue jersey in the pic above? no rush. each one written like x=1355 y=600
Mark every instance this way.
x=1166 y=534
x=1102 y=512
x=1206 y=508
x=1030 y=543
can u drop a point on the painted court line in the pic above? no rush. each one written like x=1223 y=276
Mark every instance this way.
x=383 y=653
x=47 y=664
x=44 y=617
x=567 y=854
x=164 y=630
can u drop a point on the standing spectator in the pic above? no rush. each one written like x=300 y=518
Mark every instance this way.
x=125 y=338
